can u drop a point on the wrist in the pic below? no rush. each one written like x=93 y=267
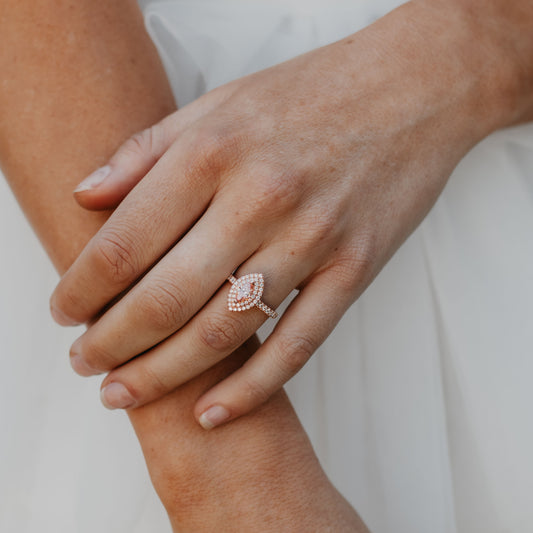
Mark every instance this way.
x=274 y=482
x=225 y=477
x=258 y=473
x=495 y=40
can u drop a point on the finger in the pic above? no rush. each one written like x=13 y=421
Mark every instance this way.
x=214 y=333
x=308 y=321
x=107 y=186
x=158 y=212
x=169 y=295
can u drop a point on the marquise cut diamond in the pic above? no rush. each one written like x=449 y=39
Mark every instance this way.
x=245 y=292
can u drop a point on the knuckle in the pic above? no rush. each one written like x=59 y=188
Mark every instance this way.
x=144 y=141
x=254 y=391
x=162 y=304
x=96 y=357
x=326 y=227
x=365 y=257
x=213 y=151
x=117 y=257
x=292 y=354
x=357 y=265
x=317 y=231
x=67 y=300
x=153 y=382
x=365 y=268
x=275 y=192
x=219 y=332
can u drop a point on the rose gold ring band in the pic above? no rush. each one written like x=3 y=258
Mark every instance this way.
x=246 y=293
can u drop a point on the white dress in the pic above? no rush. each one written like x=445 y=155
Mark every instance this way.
x=420 y=403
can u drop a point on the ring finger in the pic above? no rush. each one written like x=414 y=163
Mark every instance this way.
x=214 y=333
x=169 y=295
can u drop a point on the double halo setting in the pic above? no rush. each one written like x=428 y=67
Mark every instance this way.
x=246 y=293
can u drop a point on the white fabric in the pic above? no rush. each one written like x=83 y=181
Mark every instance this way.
x=419 y=404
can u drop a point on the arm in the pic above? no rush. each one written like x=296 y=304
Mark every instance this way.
x=78 y=79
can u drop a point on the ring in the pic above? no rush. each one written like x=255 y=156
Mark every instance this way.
x=246 y=293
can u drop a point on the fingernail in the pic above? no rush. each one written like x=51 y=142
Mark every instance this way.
x=213 y=417
x=94 y=180
x=81 y=367
x=116 y=396
x=61 y=318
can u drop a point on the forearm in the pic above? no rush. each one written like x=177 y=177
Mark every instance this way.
x=78 y=78
x=76 y=81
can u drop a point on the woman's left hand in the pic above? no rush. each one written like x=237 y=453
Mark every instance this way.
x=312 y=172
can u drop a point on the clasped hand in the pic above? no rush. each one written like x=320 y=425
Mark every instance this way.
x=312 y=172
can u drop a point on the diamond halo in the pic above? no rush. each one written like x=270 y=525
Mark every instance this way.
x=246 y=293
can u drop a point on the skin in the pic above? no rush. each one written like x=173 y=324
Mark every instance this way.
x=312 y=172
x=88 y=103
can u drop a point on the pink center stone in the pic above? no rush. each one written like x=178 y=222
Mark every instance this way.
x=244 y=291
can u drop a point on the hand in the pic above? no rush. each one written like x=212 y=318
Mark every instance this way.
x=312 y=172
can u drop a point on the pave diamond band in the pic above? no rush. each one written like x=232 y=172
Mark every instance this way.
x=246 y=293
